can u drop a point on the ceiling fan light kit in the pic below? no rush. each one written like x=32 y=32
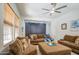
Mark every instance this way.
x=52 y=11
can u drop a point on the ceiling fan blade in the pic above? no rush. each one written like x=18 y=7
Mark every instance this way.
x=45 y=13
x=45 y=9
x=61 y=7
x=54 y=4
x=58 y=11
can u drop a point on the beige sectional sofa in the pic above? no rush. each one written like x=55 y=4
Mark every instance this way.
x=72 y=42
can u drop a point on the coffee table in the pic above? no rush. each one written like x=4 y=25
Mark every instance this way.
x=54 y=50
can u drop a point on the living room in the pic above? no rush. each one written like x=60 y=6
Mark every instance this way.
x=38 y=22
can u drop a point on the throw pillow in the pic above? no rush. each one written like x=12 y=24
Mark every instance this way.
x=35 y=37
x=31 y=36
x=18 y=49
x=77 y=41
x=24 y=43
x=39 y=36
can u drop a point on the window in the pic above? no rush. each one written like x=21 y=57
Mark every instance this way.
x=11 y=24
x=16 y=32
x=16 y=26
x=7 y=33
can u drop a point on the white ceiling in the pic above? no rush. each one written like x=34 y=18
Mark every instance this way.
x=35 y=9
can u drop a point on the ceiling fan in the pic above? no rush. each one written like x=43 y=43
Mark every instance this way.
x=54 y=9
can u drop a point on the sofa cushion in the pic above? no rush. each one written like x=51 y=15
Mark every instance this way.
x=36 y=36
x=16 y=47
x=40 y=36
x=24 y=44
x=30 y=50
x=77 y=41
x=70 y=38
x=33 y=36
x=69 y=44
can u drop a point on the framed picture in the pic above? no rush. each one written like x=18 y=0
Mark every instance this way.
x=64 y=26
x=75 y=24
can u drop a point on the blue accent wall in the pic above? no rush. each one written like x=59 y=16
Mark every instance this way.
x=35 y=28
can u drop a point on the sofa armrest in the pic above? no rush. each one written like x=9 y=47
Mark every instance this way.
x=60 y=40
x=75 y=46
